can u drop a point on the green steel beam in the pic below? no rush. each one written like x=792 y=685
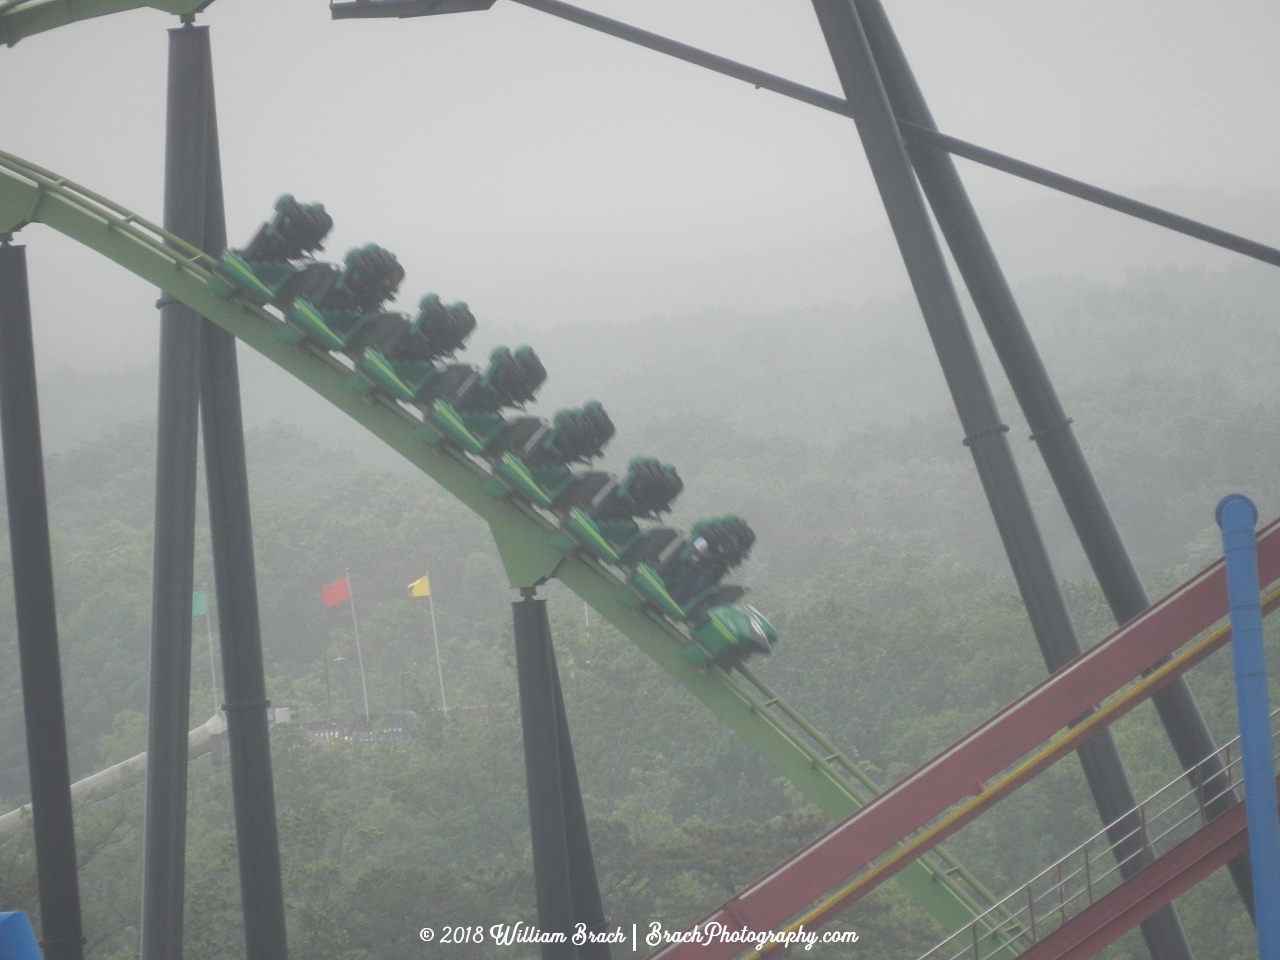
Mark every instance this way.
x=22 y=18
x=29 y=194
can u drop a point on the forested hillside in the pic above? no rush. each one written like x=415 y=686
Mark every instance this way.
x=900 y=626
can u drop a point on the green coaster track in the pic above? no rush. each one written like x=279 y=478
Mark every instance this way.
x=30 y=194
x=22 y=18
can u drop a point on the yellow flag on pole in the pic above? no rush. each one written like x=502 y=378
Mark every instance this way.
x=420 y=587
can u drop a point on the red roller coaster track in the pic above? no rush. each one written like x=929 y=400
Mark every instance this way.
x=962 y=770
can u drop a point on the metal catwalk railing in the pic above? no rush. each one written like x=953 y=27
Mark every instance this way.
x=1091 y=870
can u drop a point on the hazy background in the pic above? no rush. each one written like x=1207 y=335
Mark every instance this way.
x=670 y=240
x=549 y=174
x=712 y=262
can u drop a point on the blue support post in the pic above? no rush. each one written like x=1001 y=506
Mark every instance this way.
x=17 y=941
x=1237 y=516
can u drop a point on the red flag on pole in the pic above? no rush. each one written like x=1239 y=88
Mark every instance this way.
x=335 y=593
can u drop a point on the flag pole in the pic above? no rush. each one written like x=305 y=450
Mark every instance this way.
x=351 y=599
x=431 y=605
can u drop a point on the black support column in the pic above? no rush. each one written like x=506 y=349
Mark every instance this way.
x=231 y=532
x=984 y=433
x=47 y=764
x=588 y=909
x=1050 y=425
x=563 y=867
x=177 y=424
x=542 y=773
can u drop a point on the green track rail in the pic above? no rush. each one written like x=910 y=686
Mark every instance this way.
x=29 y=194
x=22 y=18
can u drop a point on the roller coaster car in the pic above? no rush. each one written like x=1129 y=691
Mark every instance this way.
x=648 y=584
x=648 y=489
x=370 y=277
x=539 y=468
x=412 y=381
x=729 y=633
x=605 y=524
x=716 y=546
x=263 y=268
x=542 y=485
x=296 y=230
x=441 y=330
x=652 y=544
x=608 y=539
x=620 y=542
x=683 y=579
x=471 y=431
x=332 y=329
x=585 y=488
x=437 y=331
x=511 y=380
x=518 y=432
x=337 y=304
x=576 y=435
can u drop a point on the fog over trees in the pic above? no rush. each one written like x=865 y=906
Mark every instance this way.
x=826 y=427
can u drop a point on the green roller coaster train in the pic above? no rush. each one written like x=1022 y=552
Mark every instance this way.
x=531 y=546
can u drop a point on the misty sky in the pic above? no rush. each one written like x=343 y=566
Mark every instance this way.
x=545 y=173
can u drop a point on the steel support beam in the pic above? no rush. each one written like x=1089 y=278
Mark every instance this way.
x=984 y=433
x=563 y=867
x=1050 y=425
x=538 y=723
x=177 y=428
x=231 y=533
x=588 y=909
x=46 y=725
x=910 y=131
x=1002 y=743
x=1087 y=191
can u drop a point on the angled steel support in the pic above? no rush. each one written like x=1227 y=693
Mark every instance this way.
x=588 y=909
x=177 y=426
x=910 y=131
x=231 y=535
x=959 y=775
x=552 y=882
x=1050 y=425
x=46 y=725
x=563 y=867
x=984 y=433
x=1087 y=191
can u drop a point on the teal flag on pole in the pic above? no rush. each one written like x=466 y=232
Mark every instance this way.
x=199 y=603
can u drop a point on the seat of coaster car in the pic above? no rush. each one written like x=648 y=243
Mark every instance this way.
x=414 y=381
x=584 y=489
x=576 y=434
x=652 y=543
x=515 y=435
x=383 y=331
x=334 y=329
x=295 y=230
x=646 y=490
x=442 y=328
x=472 y=431
x=444 y=383
x=729 y=633
x=512 y=379
x=721 y=595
